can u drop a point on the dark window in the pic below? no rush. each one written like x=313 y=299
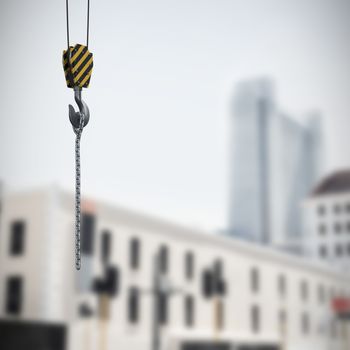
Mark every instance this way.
x=321 y=294
x=85 y=310
x=134 y=307
x=111 y=283
x=339 y=250
x=305 y=323
x=189 y=311
x=348 y=207
x=337 y=227
x=282 y=320
x=218 y=269
x=323 y=251
x=14 y=295
x=337 y=208
x=348 y=226
x=321 y=210
x=207 y=283
x=189 y=265
x=255 y=318
x=219 y=285
x=87 y=234
x=304 y=291
x=17 y=238
x=282 y=285
x=282 y=316
x=254 y=280
x=163 y=309
x=106 y=245
x=322 y=229
x=135 y=253
x=164 y=259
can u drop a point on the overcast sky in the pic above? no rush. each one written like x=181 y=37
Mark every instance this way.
x=160 y=92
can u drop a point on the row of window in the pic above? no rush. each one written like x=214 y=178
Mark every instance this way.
x=337 y=209
x=135 y=253
x=164 y=259
x=14 y=304
x=17 y=246
x=282 y=287
x=255 y=317
x=339 y=250
x=337 y=228
x=134 y=307
x=219 y=314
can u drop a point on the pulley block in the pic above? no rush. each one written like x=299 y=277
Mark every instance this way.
x=77 y=66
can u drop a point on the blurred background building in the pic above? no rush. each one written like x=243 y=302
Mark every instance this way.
x=274 y=164
x=149 y=284
x=327 y=220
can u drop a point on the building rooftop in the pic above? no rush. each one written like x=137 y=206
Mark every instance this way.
x=337 y=182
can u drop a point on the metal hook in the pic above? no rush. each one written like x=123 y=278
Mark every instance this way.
x=74 y=116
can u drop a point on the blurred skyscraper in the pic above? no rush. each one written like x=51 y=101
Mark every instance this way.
x=275 y=160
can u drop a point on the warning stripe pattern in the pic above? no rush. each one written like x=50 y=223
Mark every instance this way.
x=80 y=68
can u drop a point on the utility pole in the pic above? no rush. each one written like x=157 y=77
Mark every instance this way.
x=160 y=289
x=283 y=329
x=104 y=315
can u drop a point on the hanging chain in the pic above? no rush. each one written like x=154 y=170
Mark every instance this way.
x=78 y=132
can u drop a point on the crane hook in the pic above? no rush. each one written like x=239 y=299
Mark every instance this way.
x=74 y=116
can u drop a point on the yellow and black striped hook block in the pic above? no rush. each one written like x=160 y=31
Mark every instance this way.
x=78 y=66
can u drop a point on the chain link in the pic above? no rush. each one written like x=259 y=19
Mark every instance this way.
x=78 y=132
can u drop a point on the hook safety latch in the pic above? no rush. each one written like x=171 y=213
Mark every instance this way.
x=74 y=116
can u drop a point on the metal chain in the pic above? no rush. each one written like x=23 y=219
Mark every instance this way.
x=78 y=132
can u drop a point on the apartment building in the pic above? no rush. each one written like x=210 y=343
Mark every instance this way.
x=327 y=220
x=267 y=300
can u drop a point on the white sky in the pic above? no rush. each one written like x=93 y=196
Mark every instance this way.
x=160 y=92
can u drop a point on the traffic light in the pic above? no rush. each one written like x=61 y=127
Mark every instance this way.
x=110 y=284
x=112 y=280
x=213 y=282
x=207 y=283
x=221 y=288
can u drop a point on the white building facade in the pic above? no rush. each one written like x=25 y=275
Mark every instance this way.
x=275 y=162
x=272 y=300
x=327 y=221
